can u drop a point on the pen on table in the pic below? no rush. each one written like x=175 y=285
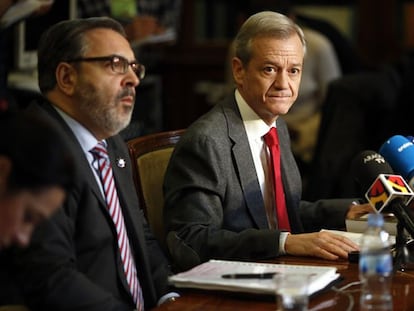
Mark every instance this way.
x=265 y=275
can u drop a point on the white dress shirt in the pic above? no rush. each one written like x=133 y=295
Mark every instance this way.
x=256 y=128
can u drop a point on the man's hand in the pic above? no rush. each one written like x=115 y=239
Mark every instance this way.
x=357 y=210
x=321 y=244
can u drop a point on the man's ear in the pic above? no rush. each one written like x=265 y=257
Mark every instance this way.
x=66 y=77
x=5 y=170
x=238 y=70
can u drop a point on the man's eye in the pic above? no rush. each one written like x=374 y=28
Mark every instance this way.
x=117 y=63
x=269 y=69
x=295 y=71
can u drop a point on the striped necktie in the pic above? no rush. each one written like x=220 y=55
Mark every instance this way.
x=272 y=141
x=104 y=169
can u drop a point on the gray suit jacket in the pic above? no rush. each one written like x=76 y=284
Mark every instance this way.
x=213 y=204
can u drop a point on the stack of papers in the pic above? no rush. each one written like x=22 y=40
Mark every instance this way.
x=361 y=224
x=356 y=236
x=209 y=275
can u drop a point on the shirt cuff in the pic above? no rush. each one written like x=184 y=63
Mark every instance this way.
x=282 y=240
x=167 y=297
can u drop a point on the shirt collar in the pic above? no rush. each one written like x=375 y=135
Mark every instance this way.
x=254 y=125
x=86 y=139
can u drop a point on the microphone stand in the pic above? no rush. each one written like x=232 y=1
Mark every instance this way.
x=403 y=259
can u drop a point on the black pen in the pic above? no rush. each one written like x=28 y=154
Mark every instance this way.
x=264 y=275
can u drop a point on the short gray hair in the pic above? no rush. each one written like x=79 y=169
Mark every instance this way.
x=265 y=24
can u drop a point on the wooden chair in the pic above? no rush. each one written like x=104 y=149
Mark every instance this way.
x=150 y=155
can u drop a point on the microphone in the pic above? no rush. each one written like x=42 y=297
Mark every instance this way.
x=366 y=167
x=386 y=192
x=410 y=138
x=388 y=189
x=399 y=152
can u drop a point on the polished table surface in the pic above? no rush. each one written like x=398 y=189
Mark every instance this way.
x=331 y=299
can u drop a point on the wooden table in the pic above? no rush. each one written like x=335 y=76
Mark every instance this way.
x=203 y=300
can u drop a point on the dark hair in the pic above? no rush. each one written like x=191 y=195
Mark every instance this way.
x=38 y=151
x=64 y=41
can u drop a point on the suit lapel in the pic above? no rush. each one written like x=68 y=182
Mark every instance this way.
x=131 y=211
x=245 y=165
x=292 y=181
x=125 y=189
x=119 y=173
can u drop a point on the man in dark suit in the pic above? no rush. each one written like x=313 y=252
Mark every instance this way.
x=219 y=198
x=88 y=74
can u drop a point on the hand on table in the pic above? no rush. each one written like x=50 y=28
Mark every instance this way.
x=326 y=245
x=357 y=210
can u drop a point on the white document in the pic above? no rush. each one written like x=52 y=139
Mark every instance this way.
x=209 y=276
x=356 y=236
x=361 y=223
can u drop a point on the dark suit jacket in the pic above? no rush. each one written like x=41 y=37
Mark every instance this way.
x=74 y=262
x=213 y=203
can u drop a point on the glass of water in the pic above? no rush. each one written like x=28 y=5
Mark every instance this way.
x=292 y=291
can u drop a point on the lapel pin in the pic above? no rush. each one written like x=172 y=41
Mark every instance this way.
x=120 y=162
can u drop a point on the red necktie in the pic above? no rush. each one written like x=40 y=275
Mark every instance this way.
x=105 y=173
x=272 y=141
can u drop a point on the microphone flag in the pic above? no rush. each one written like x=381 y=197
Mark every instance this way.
x=386 y=188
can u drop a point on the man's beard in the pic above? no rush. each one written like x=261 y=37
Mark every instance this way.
x=104 y=112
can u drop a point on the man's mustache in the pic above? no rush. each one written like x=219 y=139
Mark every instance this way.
x=127 y=92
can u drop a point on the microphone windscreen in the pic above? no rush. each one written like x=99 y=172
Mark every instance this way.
x=366 y=167
x=399 y=153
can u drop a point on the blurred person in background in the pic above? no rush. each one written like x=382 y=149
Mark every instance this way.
x=141 y=18
x=36 y=171
x=7 y=41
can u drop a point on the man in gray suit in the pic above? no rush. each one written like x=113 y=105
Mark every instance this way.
x=219 y=201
